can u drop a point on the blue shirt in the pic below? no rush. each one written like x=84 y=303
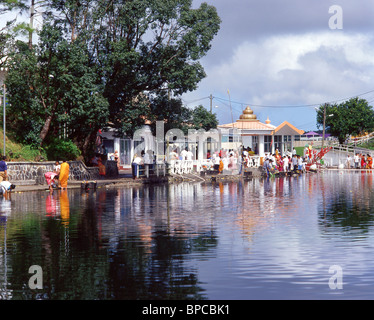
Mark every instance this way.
x=3 y=166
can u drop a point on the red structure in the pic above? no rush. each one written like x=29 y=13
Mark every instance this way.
x=316 y=157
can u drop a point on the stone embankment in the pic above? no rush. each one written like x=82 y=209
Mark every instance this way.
x=30 y=176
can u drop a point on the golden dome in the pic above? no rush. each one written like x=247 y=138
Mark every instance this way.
x=248 y=114
x=267 y=121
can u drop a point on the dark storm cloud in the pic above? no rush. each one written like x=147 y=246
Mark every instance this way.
x=253 y=20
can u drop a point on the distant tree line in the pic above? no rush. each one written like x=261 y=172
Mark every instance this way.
x=352 y=117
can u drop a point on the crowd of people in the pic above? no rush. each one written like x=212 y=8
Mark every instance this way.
x=217 y=160
x=289 y=163
x=359 y=161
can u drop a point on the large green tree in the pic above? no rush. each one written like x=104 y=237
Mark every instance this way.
x=112 y=61
x=352 y=117
x=53 y=91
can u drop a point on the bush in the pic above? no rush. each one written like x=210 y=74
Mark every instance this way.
x=59 y=149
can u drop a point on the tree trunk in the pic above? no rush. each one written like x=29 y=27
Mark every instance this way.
x=45 y=129
x=87 y=145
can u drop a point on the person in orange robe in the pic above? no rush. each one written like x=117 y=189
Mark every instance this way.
x=220 y=168
x=64 y=175
x=369 y=162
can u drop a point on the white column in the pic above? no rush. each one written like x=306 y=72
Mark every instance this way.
x=292 y=141
x=261 y=146
x=116 y=145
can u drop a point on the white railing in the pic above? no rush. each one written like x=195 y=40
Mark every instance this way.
x=181 y=166
x=252 y=162
x=361 y=140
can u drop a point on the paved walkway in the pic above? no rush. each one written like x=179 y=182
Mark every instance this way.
x=124 y=180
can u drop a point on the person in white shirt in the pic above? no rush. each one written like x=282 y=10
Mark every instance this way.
x=357 y=161
x=285 y=164
x=189 y=155
x=148 y=160
x=300 y=163
x=135 y=165
x=216 y=160
x=6 y=187
x=348 y=162
x=184 y=153
x=173 y=155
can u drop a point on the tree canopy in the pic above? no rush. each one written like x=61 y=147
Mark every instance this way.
x=352 y=117
x=112 y=62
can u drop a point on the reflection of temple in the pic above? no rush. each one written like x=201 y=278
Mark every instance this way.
x=260 y=137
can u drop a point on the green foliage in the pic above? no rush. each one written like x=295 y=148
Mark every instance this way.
x=352 y=117
x=98 y=63
x=203 y=119
x=59 y=149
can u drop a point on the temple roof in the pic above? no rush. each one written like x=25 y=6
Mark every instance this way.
x=248 y=121
x=287 y=129
x=250 y=125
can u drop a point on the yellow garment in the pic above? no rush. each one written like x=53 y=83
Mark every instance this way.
x=65 y=209
x=220 y=169
x=64 y=175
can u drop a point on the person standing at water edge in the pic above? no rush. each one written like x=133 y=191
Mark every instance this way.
x=357 y=159
x=363 y=162
x=6 y=187
x=64 y=175
x=135 y=165
x=3 y=169
x=348 y=162
x=369 y=161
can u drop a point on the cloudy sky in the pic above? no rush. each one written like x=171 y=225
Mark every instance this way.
x=282 y=58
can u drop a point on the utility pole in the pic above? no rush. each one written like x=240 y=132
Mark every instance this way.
x=324 y=125
x=4 y=119
x=211 y=103
x=232 y=119
x=31 y=24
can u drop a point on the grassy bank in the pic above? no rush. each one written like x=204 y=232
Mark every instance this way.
x=18 y=152
x=368 y=145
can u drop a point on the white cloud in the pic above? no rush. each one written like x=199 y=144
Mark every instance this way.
x=295 y=69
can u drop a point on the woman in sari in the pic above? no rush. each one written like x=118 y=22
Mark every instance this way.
x=369 y=164
x=363 y=162
x=64 y=175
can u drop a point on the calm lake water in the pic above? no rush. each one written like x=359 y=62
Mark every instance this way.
x=256 y=239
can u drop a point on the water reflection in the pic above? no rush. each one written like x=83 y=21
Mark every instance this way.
x=348 y=205
x=263 y=238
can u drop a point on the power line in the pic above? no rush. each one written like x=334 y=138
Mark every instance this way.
x=294 y=106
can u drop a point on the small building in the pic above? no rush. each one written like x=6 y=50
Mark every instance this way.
x=262 y=138
x=247 y=132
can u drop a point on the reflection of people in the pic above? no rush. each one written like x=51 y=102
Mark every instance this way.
x=3 y=170
x=50 y=205
x=64 y=174
x=6 y=188
x=64 y=206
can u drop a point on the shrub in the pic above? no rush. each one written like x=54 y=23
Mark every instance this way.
x=58 y=149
